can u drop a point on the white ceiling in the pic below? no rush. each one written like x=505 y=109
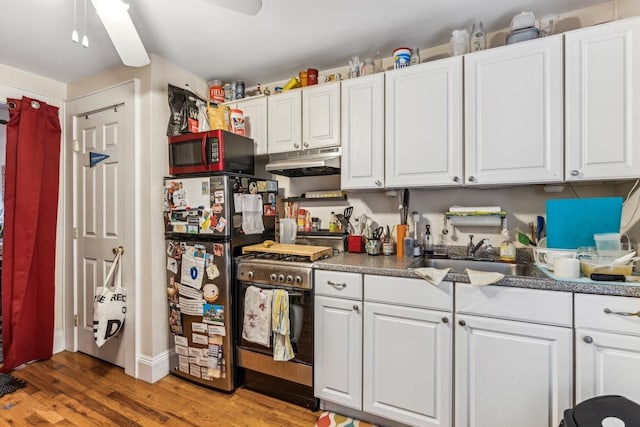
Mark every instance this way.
x=212 y=42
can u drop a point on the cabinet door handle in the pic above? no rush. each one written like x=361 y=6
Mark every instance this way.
x=337 y=285
x=378 y=182
x=356 y=308
x=621 y=313
x=296 y=145
x=462 y=323
x=456 y=179
x=587 y=339
x=575 y=173
x=472 y=179
x=306 y=144
x=445 y=319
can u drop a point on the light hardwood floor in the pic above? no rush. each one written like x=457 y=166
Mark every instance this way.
x=73 y=389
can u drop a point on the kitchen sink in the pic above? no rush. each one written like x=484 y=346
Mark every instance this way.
x=459 y=266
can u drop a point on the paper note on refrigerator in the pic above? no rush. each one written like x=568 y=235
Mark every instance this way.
x=192 y=271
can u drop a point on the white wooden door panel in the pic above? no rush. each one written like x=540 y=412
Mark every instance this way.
x=606 y=363
x=513 y=113
x=407 y=364
x=603 y=101
x=103 y=211
x=338 y=351
x=507 y=371
x=321 y=116
x=284 y=122
x=423 y=125
x=363 y=133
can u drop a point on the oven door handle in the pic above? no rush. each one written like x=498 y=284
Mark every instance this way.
x=336 y=285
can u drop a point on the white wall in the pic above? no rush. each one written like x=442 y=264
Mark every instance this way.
x=15 y=83
x=522 y=203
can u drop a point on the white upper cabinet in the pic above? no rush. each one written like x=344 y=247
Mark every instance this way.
x=602 y=101
x=363 y=133
x=302 y=119
x=514 y=113
x=321 y=116
x=423 y=125
x=254 y=111
x=285 y=124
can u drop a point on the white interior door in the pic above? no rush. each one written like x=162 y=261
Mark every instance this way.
x=103 y=209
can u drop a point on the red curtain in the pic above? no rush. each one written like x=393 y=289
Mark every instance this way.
x=31 y=208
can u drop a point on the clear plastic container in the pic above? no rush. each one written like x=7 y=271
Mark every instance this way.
x=377 y=62
x=459 y=44
x=608 y=244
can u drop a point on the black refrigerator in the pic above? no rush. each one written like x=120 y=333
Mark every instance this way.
x=208 y=219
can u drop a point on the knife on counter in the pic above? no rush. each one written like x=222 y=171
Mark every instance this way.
x=600 y=277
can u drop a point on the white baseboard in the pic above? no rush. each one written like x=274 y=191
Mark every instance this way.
x=58 y=341
x=152 y=369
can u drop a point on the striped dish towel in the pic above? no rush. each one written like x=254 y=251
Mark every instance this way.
x=282 y=349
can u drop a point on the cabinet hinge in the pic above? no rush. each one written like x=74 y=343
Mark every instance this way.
x=75 y=232
x=75 y=320
x=76 y=146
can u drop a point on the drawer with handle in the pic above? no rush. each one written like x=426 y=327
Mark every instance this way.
x=338 y=284
x=608 y=313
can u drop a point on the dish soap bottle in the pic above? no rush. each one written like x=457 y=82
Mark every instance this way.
x=428 y=244
x=333 y=223
x=507 y=248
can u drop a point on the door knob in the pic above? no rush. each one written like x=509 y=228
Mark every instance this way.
x=456 y=179
x=119 y=249
x=378 y=182
x=575 y=173
x=445 y=320
x=587 y=339
x=296 y=145
x=356 y=308
x=306 y=145
x=462 y=323
x=472 y=179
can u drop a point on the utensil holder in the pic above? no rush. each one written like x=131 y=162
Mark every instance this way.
x=355 y=243
x=401 y=233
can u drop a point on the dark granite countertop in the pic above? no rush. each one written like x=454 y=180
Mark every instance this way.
x=535 y=278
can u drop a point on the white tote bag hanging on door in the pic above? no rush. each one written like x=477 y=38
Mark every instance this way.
x=110 y=304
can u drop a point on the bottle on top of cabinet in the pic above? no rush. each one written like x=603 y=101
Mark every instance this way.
x=478 y=37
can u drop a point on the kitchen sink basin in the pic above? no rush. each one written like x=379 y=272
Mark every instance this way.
x=459 y=266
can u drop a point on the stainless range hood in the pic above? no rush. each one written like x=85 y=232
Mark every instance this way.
x=319 y=161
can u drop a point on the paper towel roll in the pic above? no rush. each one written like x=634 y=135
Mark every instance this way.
x=484 y=221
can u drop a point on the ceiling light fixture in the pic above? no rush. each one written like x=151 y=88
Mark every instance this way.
x=74 y=34
x=85 y=39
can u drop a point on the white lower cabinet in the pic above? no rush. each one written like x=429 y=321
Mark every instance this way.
x=512 y=372
x=338 y=338
x=407 y=364
x=607 y=346
x=390 y=357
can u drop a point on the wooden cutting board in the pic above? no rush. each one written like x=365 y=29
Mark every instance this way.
x=313 y=252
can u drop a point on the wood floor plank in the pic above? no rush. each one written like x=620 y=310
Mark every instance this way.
x=73 y=389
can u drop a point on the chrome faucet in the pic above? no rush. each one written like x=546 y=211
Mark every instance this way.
x=472 y=249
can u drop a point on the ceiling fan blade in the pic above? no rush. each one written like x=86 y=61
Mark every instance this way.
x=123 y=34
x=248 y=7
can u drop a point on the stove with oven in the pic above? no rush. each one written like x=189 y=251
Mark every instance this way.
x=290 y=268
